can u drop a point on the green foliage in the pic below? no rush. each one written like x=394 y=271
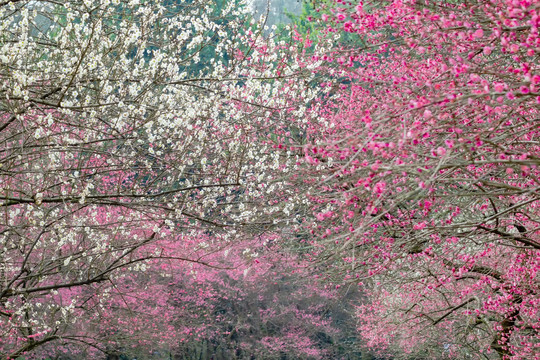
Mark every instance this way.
x=301 y=23
x=309 y=26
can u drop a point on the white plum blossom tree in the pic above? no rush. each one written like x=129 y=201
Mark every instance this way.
x=124 y=124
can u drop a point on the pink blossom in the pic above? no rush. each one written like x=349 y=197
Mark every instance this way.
x=499 y=87
x=379 y=187
x=441 y=151
x=478 y=34
x=420 y=225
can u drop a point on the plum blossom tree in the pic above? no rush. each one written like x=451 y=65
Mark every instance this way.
x=128 y=137
x=421 y=166
x=266 y=310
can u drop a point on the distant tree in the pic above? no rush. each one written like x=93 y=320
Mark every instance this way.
x=267 y=310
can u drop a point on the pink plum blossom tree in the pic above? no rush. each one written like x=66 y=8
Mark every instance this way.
x=421 y=168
